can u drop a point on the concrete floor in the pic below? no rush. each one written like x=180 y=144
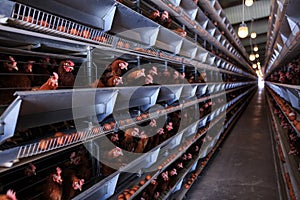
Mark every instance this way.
x=243 y=169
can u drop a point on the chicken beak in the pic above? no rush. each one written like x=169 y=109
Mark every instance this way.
x=15 y=67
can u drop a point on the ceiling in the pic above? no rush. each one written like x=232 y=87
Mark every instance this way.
x=258 y=14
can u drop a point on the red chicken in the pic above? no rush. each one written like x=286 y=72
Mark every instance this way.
x=180 y=32
x=155 y=15
x=179 y=166
x=83 y=168
x=113 y=81
x=172 y=177
x=42 y=70
x=116 y=69
x=150 y=191
x=66 y=77
x=163 y=182
x=71 y=184
x=148 y=79
x=53 y=187
x=128 y=143
x=74 y=159
x=10 y=195
x=165 y=19
x=80 y=163
x=136 y=77
x=10 y=81
x=113 y=161
x=142 y=143
x=165 y=77
x=51 y=84
x=30 y=170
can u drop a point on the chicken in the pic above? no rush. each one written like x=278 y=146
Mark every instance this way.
x=133 y=78
x=165 y=19
x=113 y=161
x=74 y=159
x=148 y=79
x=195 y=151
x=42 y=71
x=114 y=138
x=155 y=15
x=114 y=81
x=165 y=77
x=27 y=69
x=116 y=69
x=142 y=143
x=184 y=159
x=153 y=71
x=111 y=82
x=71 y=184
x=30 y=170
x=179 y=166
x=83 y=168
x=10 y=195
x=79 y=161
x=129 y=143
x=150 y=192
x=163 y=182
x=180 y=32
x=51 y=84
x=11 y=81
x=66 y=77
x=172 y=177
x=151 y=76
x=53 y=186
x=157 y=138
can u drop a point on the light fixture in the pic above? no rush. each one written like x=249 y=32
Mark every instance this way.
x=249 y=2
x=254 y=66
x=255 y=48
x=257 y=55
x=253 y=35
x=251 y=57
x=243 y=29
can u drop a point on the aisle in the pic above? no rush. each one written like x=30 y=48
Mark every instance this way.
x=244 y=168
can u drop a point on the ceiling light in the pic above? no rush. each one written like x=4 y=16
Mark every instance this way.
x=255 y=48
x=243 y=29
x=248 y=2
x=257 y=55
x=254 y=66
x=253 y=35
x=251 y=57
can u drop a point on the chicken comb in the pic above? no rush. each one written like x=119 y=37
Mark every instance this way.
x=70 y=63
x=11 y=195
x=55 y=75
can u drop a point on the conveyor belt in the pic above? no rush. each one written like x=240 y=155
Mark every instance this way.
x=244 y=167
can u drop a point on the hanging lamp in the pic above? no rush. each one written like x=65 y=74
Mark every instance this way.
x=251 y=57
x=248 y=2
x=243 y=28
x=255 y=48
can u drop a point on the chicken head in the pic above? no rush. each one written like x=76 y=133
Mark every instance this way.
x=57 y=177
x=11 y=65
x=68 y=65
x=77 y=184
